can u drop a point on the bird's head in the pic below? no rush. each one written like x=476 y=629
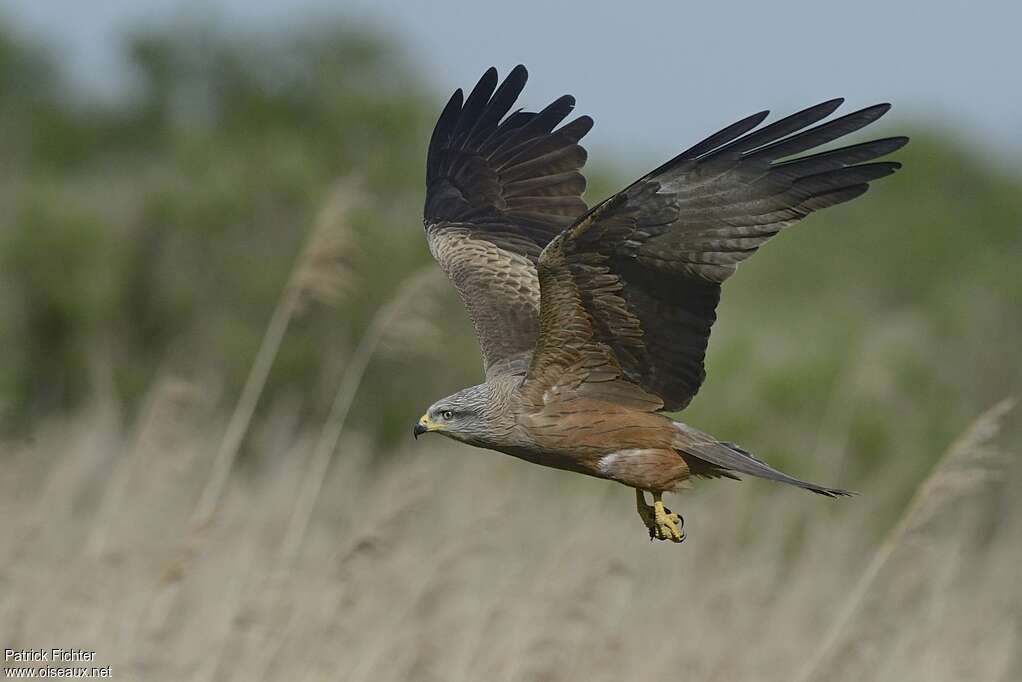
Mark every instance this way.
x=461 y=416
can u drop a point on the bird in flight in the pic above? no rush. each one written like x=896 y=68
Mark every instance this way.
x=592 y=322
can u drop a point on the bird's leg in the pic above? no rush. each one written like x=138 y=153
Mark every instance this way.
x=662 y=523
x=645 y=512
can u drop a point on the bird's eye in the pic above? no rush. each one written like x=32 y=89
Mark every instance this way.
x=447 y=415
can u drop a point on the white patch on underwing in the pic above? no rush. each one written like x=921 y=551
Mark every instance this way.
x=607 y=462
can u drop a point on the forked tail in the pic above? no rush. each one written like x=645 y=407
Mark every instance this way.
x=724 y=458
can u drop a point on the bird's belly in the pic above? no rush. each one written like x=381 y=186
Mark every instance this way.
x=654 y=469
x=553 y=459
x=644 y=468
x=606 y=441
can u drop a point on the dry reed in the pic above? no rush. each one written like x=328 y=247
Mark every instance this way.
x=962 y=478
x=322 y=272
x=456 y=564
x=406 y=315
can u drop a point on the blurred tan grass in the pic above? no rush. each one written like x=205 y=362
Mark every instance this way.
x=322 y=273
x=447 y=563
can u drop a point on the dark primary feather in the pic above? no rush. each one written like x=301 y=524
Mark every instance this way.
x=647 y=263
x=520 y=175
x=500 y=185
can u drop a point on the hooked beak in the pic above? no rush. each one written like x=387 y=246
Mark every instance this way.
x=424 y=425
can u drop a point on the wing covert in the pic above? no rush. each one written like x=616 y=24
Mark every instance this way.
x=645 y=266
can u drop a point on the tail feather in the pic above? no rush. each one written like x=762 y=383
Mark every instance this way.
x=730 y=457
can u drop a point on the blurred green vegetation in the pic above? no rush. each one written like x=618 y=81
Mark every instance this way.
x=155 y=233
x=161 y=229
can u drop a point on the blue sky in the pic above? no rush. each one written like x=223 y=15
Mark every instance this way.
x=655 y=75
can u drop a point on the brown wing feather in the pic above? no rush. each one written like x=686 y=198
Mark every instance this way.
x=646 y=265
x=570 y=361
x=499 y=187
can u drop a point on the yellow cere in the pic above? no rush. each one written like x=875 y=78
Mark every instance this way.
x=429 y=424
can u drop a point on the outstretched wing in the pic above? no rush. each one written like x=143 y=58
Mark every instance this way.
x=629 y=292
x=500 y=186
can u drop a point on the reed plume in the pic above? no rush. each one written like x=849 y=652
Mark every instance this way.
x=966 y=470
x=402 y=326
x=322 y=272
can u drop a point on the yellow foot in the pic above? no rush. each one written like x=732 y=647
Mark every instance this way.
x=661 y=522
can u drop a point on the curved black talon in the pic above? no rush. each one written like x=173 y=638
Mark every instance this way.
x=681 y=526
